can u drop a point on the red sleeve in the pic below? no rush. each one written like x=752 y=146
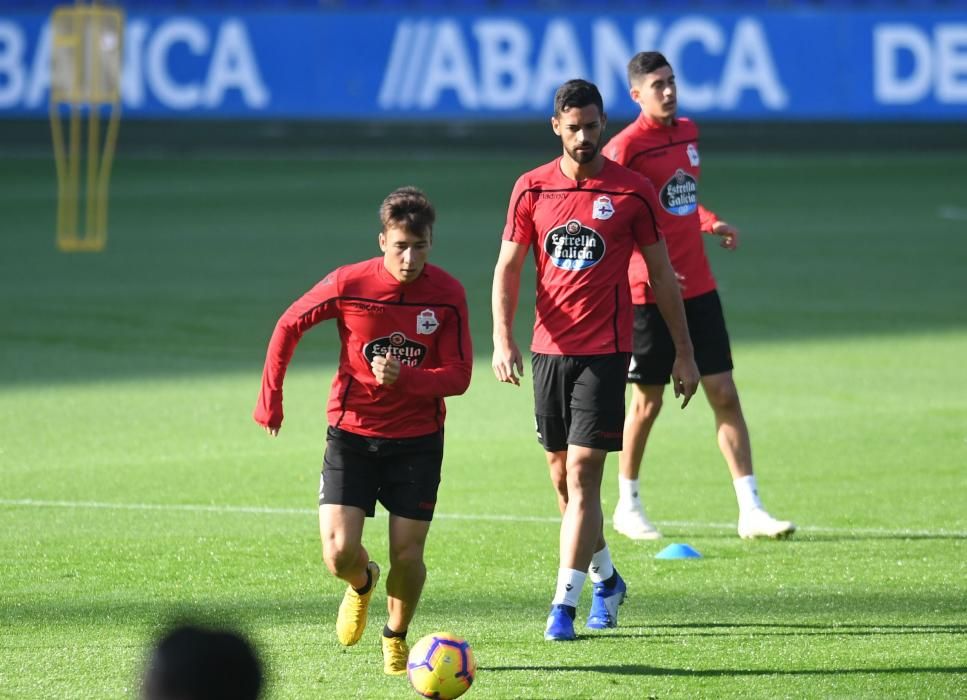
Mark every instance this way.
x=645 y=228
x=520 y=222
x=455 y=351
x=707 y=219
x=316 y=305
x=617 y=151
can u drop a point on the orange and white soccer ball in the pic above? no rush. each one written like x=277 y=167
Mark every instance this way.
x=441 y=665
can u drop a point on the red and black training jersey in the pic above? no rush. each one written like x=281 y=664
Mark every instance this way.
x=423 y=324
x=582 y=234
x=668 y=156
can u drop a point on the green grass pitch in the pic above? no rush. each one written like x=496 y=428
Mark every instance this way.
x=137 y=489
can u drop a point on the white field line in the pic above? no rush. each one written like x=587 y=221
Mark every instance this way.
x=305 y=512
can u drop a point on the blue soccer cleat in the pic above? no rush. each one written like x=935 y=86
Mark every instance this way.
x=605 y=602
x=560 y=624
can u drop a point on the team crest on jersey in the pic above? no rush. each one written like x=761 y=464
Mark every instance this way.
x=426 y=322
x=408 y=352
x=692 y=151
x=602 y=208
x=679 y=196
x=574 y=246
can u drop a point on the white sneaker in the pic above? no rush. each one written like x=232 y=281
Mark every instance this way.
x=632 y=522
x=758 y=523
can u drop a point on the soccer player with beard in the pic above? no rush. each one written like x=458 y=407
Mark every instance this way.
x=664 y=148
x=582 y=215
x=405 y=345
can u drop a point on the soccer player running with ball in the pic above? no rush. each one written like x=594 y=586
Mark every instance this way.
x=405 y=346
x=582 y=215
x=664 y=148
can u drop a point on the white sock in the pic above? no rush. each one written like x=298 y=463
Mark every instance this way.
x=628 y=491
x=601 y=566
x=569 y=585
x=746 y=493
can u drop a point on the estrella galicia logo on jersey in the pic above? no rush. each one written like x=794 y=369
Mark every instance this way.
x=679 y=196
x=408 y=352
x=574 y=246
x=692 y=151
x=602 y=208
x=426 y=322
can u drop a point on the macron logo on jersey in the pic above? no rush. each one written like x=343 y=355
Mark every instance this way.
x=574 y=246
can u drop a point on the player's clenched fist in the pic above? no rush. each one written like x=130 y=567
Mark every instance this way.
x=386 y=369
x=729 y=234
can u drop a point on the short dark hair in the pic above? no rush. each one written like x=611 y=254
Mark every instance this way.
x=643 y=63
x=193 y=663
x=577 y=93
x=410 y=209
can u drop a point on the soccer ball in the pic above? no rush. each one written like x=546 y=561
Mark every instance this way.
x=441 y=666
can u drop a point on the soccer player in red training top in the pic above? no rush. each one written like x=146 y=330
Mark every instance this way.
x=405 y=345
x=582 y=215
x=664 y=148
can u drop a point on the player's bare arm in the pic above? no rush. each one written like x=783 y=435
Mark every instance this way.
x=685 y=375
x=386 y=369
x=729 y=234
x=508 y=364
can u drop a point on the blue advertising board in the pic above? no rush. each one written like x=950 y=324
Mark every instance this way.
x=835 y=65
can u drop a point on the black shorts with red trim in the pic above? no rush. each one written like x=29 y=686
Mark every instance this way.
x=654 y=352
x=579 y=400
x=402 y=474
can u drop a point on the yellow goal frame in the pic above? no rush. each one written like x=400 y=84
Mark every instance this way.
x=85 y=69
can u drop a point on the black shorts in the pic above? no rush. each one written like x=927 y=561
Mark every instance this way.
x=402 y=474
x=654 y=351
x=579 y=400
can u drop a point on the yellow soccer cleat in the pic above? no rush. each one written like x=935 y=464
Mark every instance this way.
x=395 y=655
x=353 y=610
